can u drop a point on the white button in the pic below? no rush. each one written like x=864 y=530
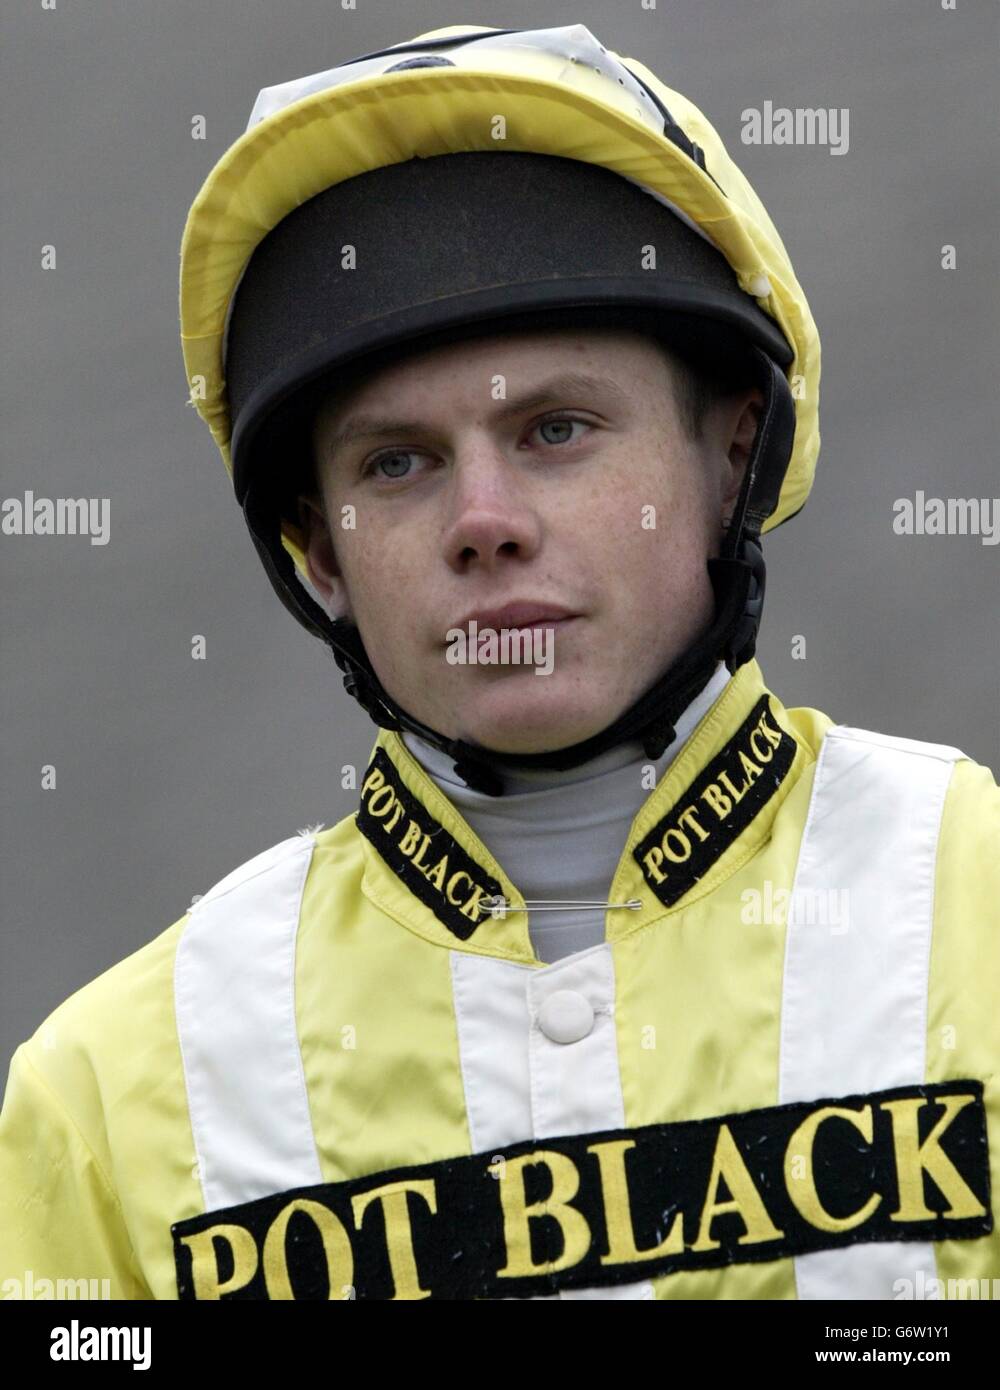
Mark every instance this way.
x=566 y=1016
x=759 y=286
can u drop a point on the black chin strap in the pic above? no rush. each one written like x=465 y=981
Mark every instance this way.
x=737 y=576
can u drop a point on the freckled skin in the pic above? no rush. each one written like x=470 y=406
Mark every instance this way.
x=473 y=512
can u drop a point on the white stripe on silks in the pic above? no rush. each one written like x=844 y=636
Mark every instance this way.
x=854 y=1007
x=234 y=986
x=519 y=1084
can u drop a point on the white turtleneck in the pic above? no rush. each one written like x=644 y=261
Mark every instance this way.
x=561 y=834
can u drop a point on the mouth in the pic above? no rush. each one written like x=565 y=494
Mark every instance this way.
x=519 y=616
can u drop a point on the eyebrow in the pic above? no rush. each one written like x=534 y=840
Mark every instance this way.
x=358 y=427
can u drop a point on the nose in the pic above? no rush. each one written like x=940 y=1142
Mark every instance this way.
x=491 y=519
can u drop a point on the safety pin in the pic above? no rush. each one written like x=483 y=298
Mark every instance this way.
x=498 y=907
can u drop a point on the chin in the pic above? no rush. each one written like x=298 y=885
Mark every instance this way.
x=519 y=725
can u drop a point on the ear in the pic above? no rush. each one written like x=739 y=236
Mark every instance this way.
x=321 y=559
x=739 y=425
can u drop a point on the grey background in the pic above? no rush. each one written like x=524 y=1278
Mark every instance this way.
x=172 y=771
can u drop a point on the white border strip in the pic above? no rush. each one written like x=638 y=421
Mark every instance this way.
x=854 y=1008
x=234 y=988
x=519 y=1084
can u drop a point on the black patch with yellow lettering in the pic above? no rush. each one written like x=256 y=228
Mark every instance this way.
x=613 y=1207
x=717 y=807
x=419 y=850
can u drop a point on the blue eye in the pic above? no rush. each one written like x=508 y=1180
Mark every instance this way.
x=390 y=459
x=560 y=423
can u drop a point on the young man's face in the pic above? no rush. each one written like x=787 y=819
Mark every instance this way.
x=543 y=468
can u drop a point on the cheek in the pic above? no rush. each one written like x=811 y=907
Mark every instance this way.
x=382 y=578
x=656 y=513
x=383 y=597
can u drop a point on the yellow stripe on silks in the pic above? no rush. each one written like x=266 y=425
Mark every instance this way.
x=698 y=1020
x=377 y=1027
